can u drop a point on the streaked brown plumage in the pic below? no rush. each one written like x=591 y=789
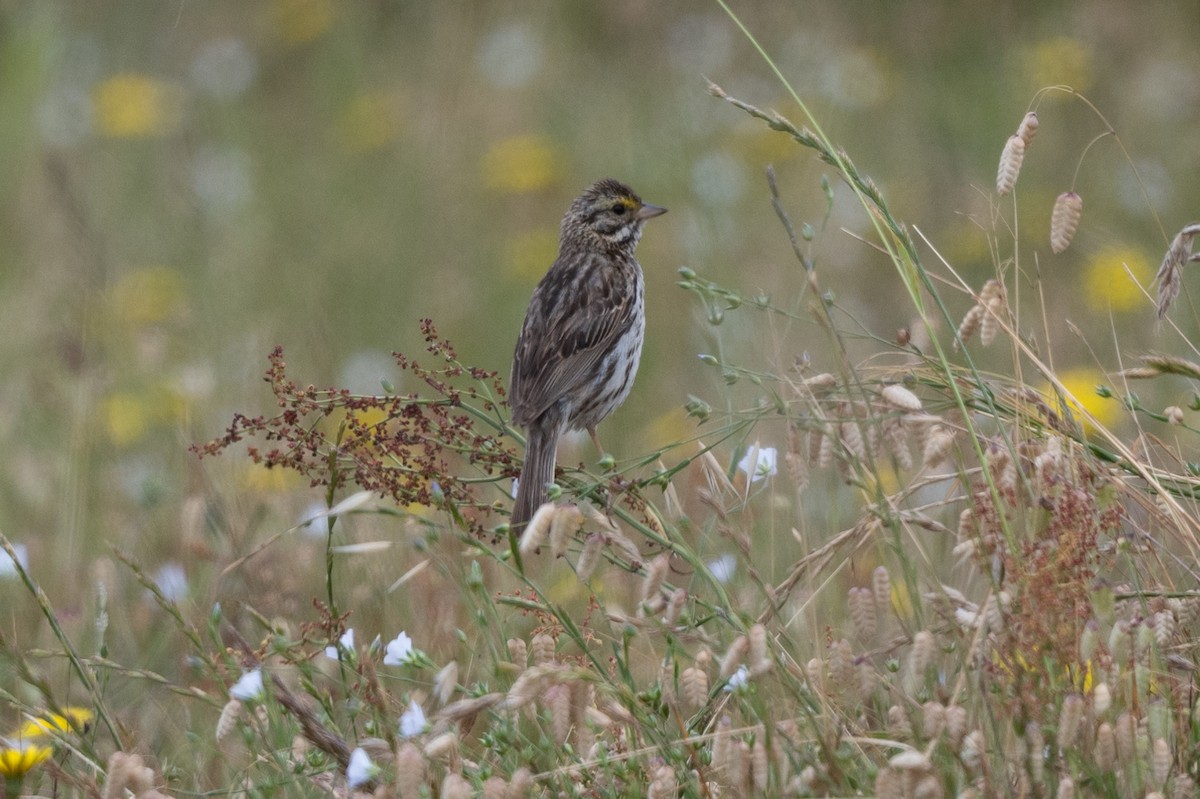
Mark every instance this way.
x=582 y=339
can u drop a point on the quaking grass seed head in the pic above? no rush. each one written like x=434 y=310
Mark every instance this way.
x=1028 y=128
x=1010 y=164
x=1064 y=220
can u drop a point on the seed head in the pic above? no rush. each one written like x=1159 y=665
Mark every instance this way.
x=1064 y=220
x=900 y=397
x=1028 y=128
x=1170 y=277
x=1010 y=164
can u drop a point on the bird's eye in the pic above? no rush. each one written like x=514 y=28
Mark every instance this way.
x=619 y=209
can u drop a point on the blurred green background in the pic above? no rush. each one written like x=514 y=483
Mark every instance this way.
x=184 y=185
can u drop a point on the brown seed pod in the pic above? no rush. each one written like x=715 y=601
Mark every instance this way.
x=1064 y=220
x=1010 y=164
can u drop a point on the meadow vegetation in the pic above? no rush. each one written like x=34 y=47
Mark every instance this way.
x=922 y=563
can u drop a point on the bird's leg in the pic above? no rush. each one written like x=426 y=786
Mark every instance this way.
x=596 y=441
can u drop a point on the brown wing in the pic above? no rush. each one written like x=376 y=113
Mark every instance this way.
x=575 y=316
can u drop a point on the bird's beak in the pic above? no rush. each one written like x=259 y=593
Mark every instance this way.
x=648 y=211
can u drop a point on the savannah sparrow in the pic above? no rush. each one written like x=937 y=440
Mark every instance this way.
x=582 y=338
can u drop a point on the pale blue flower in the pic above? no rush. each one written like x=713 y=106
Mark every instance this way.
x=739 y=680
x=361 y=768
x=759 y=463
x=412 y=722
x=399 y=650
x=249 y=686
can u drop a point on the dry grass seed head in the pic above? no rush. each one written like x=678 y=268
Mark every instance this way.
x=228 y=720
x=1035 y=744
x=895 y=438
x=760 y=765
x=1104 y=752
x=758 y=647
x=520 y=784
x=410 y=769
x=120 y=767
x=841 y=669
x=933 y=719
x=956 y=724
x=455 y=786
x=722 y=743
x=734 y=656
x=1069 y=719
x=969 y=325
x=1066 y=789
x=1010 y=164
x=675 y=604
x=494 y=788
x=518 y=653
x=1064 y=220
x=557 y=701
x=861 y=605
x=881 y=589
x=990 y=324
x=1170 y=272
x=542 y=647
x=973 y=750
x=900 y=398
x=939 y=443
x=589 y=556
x=563 y=526
x=924 y=647
x=663 y=784
x=695 y=687
x=1028 y=127
x=898 y=723
x=652 y=583
x=538 y=529
x=445 y=682
x=1161 y=760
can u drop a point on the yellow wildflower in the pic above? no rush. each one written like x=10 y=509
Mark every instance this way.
x=1080 y=385
x=134 y=106
x=72 y=719
x=1108 y=285
x=16 y=761
x=522 y=164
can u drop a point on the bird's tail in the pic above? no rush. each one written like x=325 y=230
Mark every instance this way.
x=537 y=472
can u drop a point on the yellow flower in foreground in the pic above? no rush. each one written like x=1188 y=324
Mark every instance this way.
x=522 y=164
x=73 y=719
x=132 y=106
x=1081 y=390
x=1107 y=283
x=16 y=761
